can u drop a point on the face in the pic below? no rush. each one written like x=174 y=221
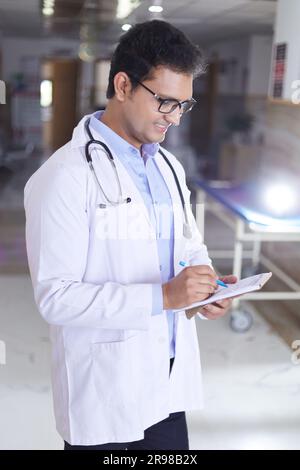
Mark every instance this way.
x=141 y=121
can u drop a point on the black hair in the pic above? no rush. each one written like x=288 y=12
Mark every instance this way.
x=150 y=44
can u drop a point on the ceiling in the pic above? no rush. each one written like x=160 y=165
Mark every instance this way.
x=206 y=20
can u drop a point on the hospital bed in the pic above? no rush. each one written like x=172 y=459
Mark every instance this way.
x=246 y=209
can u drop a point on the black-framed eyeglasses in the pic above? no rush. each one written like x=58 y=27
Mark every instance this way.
x=168 y=105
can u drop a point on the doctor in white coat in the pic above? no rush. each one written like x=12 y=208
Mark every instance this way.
x=96 y=257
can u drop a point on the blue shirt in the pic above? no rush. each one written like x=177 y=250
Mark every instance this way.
x=145 y=173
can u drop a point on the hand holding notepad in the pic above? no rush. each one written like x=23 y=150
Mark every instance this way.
x=241 y=287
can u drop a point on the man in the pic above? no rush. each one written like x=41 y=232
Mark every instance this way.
x=105 y=241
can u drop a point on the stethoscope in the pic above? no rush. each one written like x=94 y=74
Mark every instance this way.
x=187 y=233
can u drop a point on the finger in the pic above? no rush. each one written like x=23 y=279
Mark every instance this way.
x=230 y=279
x=210 y=315
x=214 y=308
x=203 y=269
x=225 y=303
x=216 y=304
x=201 y=277
x=212 y=312
x=204 y=289
x=206 y=280
x=200 y=280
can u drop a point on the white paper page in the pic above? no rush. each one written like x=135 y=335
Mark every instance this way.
x=249 y=284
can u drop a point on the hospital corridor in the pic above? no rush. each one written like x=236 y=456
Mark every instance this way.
x=68 y=296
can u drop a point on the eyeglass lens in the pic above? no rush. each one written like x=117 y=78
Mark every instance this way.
x=167 y=106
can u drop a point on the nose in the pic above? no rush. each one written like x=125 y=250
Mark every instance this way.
x=174 y=117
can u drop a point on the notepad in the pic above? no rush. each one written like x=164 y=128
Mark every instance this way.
x=249 y=284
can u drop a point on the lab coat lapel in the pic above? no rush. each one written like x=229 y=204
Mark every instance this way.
x=79 y=136
x=177 y=206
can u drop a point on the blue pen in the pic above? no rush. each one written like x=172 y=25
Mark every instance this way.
x=220 y=283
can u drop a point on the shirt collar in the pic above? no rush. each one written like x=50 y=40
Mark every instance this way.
x=119 y=145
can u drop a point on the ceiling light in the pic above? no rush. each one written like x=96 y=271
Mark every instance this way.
x=49 y=3
x=155 y=9
x=125 y=7
x=46 y=93
x=48 y=11
x=126 y=26
x=87 y=51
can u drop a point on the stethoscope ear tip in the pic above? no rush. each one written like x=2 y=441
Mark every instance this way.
x=128 y=199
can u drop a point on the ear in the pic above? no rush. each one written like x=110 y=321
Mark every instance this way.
x=122 y=86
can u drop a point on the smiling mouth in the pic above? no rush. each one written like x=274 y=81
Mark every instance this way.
x=162 y=129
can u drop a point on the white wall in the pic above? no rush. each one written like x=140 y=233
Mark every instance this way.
x=287 y=29
x=232 y=82
x=14 y=49
x=253 y=55
x=259 y=64
x=18 y=51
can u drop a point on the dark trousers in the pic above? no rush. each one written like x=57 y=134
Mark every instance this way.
x=169 y=434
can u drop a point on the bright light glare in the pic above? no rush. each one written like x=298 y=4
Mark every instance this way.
x=155 y=9
x=46 y=93
x=125 y=7
x=279 y=198
x=87 y=51
x=126 y=27
x=48 y=11
x=49 y=3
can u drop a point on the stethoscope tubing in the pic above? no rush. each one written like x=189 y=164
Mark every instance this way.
x=121 y=200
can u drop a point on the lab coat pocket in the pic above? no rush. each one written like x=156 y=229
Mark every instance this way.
x=102 y=335
x=113 y=378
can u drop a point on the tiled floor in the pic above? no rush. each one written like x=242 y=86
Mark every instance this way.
x=251 y=389
x=27 y=420
x=251 y=385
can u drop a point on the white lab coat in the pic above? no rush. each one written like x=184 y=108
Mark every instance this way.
x=110 y=356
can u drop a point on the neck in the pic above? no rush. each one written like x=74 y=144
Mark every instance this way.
x=112 y=118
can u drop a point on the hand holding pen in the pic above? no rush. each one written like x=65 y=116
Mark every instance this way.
x=215 y=310
x=192 y=284
x=218 y=281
